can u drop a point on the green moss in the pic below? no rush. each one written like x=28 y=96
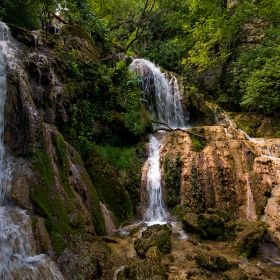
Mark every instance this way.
x=48 y=203
x=195 y=195
x=198 y=142
x=172 y=180
x=110 y=191
x=212 y=224
x=134 y=230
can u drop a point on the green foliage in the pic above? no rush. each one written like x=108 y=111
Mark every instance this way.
x=111 y=109
x=118 y=157
x=197 y=140
x=20 y=12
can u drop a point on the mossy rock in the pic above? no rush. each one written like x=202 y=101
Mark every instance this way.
x=235 y=274
x=246 y=235
x=109 y=189
x=83 y=257
x=218 y=212
x=158 y=236
x=172 y=179
x=150 y=268
x=191 y=225
x=212 y=261
x=212 y=224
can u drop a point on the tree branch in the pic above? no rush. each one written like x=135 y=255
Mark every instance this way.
x=169 y=128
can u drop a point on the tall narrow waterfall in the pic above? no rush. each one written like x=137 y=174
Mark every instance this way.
x=18 y=259
x=164 y=103
x=155 y=213
x=162 y=93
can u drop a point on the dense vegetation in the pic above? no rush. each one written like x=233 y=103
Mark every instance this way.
x=228 y=49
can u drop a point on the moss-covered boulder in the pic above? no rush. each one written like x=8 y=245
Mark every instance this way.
x=191 y=225
x=212 y=224
x=212 y=261
x=83 y=257
x=218 y=212
x=158 y=236
x=246 y=235
x=150 y=268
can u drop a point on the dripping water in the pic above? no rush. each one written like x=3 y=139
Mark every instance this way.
x=18 y=258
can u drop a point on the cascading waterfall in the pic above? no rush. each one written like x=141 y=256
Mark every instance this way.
x=162 y=93
x=18 y=259
x=164 y=103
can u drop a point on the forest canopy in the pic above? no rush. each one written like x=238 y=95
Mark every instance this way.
x=227 y=49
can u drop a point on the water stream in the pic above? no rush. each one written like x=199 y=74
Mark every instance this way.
x=18 y=258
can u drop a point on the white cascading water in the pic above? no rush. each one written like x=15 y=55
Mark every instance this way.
x=164 y=103
x=156 y=212
x=18 y=259
x=162 y=93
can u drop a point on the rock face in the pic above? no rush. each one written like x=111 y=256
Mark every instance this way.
x=222 y=168
x=67 y=202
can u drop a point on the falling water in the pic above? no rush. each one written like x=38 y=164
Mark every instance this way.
x=163 y=95
x=164 y=103
x=18 y=259
x=251 y=206
x=155 y=213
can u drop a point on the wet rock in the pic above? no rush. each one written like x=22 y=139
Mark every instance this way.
x=212 y=224
x=246 y=235
x=82 y=259
x=149 y=268
x=191 y=225
x=158 y=236
x=212 y=261
x=235 y=274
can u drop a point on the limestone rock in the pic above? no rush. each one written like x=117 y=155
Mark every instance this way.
x=158 y=236
x=191 y=225
x=246 y=235
x=212 y=224
x=212 y=261
x=149 y=268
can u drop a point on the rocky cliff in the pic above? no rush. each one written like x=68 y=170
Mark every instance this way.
x=221 y=167
x=56 y=104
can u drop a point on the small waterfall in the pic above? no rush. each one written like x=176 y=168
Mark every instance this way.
x=18 y=259
x=155 y=213
x=251 y=206
x=164 y=101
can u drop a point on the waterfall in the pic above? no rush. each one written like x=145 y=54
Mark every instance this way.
x=155 y=213
x=164 y=103
x=162 y=92
x=18 y=259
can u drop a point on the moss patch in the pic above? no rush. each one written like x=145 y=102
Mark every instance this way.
x=172 y=180
x=110 y=191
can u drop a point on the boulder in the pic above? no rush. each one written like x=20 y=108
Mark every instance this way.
x=150 y=268
x=212 y=224
x=191 y=225
x=212 y=261
x=155 y=236
x=246 y=235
